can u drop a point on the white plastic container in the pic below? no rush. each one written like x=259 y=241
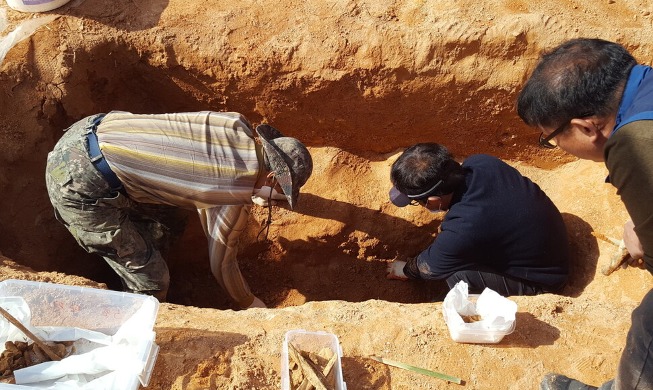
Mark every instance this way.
x=36 y=5
x=463 y=332
x=311 y=342
x=93 y=309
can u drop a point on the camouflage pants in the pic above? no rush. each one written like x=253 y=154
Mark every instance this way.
x=130 y=236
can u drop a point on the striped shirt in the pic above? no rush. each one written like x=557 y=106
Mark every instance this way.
x=190 y=160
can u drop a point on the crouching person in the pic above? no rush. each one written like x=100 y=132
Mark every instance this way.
x=500 y=231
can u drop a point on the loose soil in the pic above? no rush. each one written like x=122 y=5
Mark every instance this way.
x=357 y=81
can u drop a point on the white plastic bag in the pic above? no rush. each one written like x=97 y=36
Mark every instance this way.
x=17 y=307
x=3 y=19
x=497 y=315
x=24 y=30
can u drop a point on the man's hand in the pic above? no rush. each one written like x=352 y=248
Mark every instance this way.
x=257 y=303
x=395 y=270
x=633 y=245
x=263 y=201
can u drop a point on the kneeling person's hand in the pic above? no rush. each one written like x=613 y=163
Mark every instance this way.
x=395 y=270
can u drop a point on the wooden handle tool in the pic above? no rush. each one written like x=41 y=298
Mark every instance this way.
x=618 y=257
x=48 y=351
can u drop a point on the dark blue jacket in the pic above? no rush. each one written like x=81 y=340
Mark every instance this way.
x=503 y=221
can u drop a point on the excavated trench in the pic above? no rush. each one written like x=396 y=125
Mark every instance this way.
x=357 y=81
x=337 y=243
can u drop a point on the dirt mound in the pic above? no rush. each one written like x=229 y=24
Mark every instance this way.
x=357 y=81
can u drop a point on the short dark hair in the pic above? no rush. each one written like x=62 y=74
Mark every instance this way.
x=422 y=165
x=578 y=77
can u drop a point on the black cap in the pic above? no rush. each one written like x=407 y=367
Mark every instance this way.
x=400 y=199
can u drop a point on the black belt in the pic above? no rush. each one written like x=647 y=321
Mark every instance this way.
x=97 y=159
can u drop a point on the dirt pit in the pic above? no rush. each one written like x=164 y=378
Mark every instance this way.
x=357 y=82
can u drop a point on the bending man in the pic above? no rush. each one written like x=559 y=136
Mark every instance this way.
x=117 y=182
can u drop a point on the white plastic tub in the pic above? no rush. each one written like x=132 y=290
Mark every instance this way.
x=478 y=332
x=310 y=342
x=105 y=311
x=36 y=5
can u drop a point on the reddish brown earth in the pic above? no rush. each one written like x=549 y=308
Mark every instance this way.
x=358 y=81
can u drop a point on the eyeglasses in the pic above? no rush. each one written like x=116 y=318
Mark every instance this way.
x=545 y=141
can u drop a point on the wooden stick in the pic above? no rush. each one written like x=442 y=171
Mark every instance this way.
x=316 y=378
x=29 y=334
x=419 y=370
x=605 y=238
x=305 y=385
x=327 y=369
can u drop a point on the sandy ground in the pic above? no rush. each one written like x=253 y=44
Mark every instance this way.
x=357 y=81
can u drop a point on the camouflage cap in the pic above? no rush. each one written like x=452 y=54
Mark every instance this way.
x=288 y=159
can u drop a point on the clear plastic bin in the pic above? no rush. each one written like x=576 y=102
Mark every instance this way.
x=88 y=308
x=311 y=342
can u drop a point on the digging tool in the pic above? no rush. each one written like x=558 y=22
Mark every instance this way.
x=618 y=257
x=13 y=320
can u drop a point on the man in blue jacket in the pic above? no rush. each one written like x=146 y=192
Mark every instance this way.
x=590 y=98
x=501 y=231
